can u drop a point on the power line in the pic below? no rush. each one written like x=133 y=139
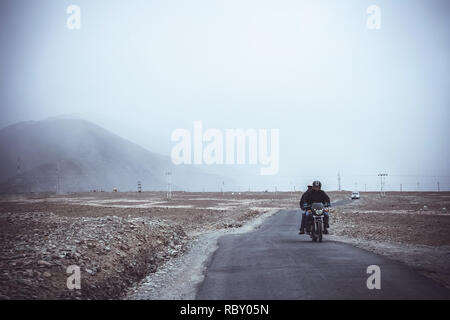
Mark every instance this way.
x=169 y=185
x=18 y=173
x=382 y=182
x=58 y=178
x=339 y=181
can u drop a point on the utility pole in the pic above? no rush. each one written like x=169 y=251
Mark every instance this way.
x=339 y=181
x=139 y=184
x=365 y=187
x=418 y=185
x=439 y=188
x=169 y=184
x=401 y=187
x=382 y=182
x=58 y=186
x=18 y=173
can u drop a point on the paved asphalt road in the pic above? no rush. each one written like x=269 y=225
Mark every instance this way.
x=275 y=262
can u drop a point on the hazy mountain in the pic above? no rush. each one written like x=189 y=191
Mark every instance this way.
x=84 y=156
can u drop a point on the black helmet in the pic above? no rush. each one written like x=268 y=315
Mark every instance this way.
x=317 y=183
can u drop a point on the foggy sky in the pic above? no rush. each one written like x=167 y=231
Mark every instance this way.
x=344 y=98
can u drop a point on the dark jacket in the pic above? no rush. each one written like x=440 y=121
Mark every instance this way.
x=303 y=201
x=315 y=196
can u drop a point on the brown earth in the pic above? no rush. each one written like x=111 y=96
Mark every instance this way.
x=115 y=238
x=118 y=238
x=411 y=227
x=409 y=218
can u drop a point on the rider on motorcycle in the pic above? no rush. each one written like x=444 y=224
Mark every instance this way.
x=317 y=195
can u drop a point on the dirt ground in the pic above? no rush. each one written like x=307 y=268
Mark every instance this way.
x=117 y=239
x=410 y=227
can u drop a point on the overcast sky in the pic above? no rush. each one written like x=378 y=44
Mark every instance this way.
x=344 y=98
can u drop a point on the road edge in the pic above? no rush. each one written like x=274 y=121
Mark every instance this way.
x=179 y=278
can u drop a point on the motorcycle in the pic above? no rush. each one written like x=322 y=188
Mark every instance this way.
x=316 y=221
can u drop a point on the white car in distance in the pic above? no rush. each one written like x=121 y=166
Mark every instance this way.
x=355 y=195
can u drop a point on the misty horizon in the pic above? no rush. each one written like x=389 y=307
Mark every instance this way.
x=345 y=99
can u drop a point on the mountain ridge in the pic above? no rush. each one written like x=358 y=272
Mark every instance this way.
x=79 y=155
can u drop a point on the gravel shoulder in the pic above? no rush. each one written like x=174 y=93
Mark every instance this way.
x=116 y=239
x=178 y=278
x=413 y=228
x=143 y=246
